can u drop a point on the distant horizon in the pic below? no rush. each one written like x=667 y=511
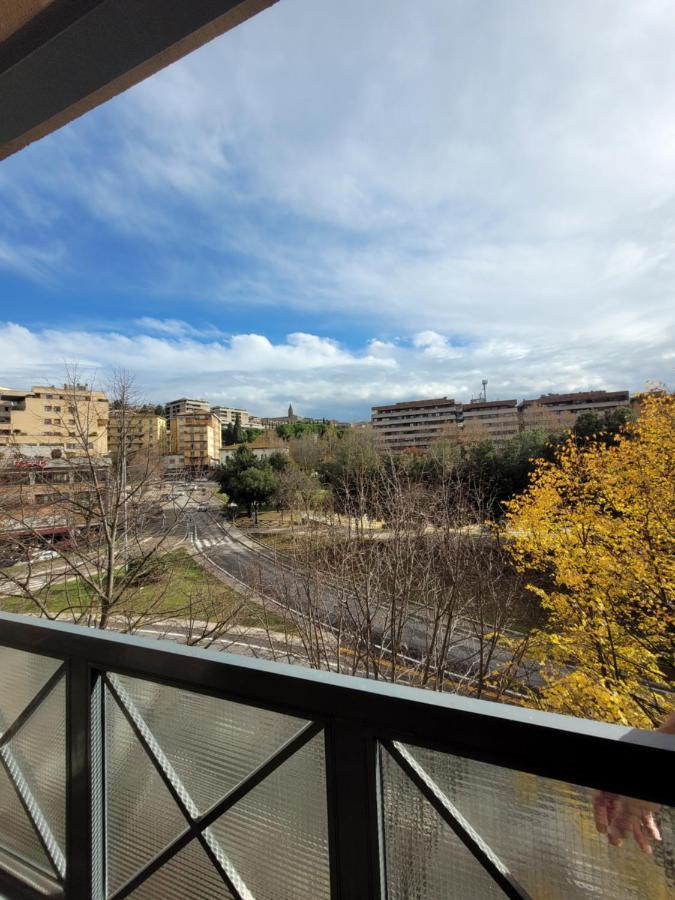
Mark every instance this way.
x=315 y=413
x=346 y=215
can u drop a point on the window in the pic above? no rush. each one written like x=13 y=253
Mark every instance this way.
x=46 y=498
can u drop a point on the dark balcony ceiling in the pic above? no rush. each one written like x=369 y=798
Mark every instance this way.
x=61 y=58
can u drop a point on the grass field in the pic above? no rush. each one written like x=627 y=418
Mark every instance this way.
x=182 y=589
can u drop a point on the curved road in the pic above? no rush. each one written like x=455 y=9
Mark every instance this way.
x=229 y=549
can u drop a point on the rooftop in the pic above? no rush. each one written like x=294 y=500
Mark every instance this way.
x=415 y=404
x=579 y=396
x=488 y=404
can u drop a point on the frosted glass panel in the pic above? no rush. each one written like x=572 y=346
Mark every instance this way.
x=33 y=761
x=189 y=875
x=142 y=817
x=16 y=832
x=276 y=838
x=212 y=744
x=424 y=858
x=39 y=749
x=543 y=831
x=21 y=677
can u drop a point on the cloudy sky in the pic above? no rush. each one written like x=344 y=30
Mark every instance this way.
x=343 y=203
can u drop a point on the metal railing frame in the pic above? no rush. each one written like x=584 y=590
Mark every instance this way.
x=360 y=719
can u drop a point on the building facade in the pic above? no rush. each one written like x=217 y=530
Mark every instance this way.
x=228 y=415
x=144 y=433
x=495 y=420
x=72 y=418
x=414 y=423
x=47 y=496
x=260 y=452
x=197 y=437
x=563 y=409
x=184 y=405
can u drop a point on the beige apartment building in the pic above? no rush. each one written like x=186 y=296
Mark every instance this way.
x=228 y=415
x=495 y=420
x=145 y=433
x=184 y=405
x=197 y=436
x=414 y=423
x=72 y=418
x=559 y=411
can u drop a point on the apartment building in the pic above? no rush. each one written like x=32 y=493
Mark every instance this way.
x=562 y=409
x=46 y=496
x=184 y=405
x=197 y=436
x=228 y=414
x=144 y=433
x=495 y=420
x=414 y=423
x=72 y=418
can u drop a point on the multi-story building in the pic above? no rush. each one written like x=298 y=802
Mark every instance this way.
x=414 y=423
x=197 y=436
x=143 y=432
x=184 y=405
x=562 y=409
x=45 y=495
x=495 y=420
x=72 y=418
x=228 y=415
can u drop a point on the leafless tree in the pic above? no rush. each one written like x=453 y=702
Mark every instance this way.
x=85 y=536
x=409 y=586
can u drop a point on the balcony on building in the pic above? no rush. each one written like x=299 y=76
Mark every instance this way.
x=136 y=768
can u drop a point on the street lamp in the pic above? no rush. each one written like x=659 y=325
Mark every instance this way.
x=233 y=509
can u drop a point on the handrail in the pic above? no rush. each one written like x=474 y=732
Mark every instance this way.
x=597 y=754
x=361 y=721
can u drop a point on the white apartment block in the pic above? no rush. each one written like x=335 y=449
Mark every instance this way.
x=184 y=405
x=548 y=408
x=414 y=423
x=417 y=423
x=228 y=414
x=494 y=420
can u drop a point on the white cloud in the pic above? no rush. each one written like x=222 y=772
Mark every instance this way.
x=435 y=345
x=494 y=179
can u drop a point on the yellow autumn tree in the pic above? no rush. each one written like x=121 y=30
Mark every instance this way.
x=597 y=526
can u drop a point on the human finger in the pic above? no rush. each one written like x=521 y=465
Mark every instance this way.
x=650 y=826
x=619 y=823
x=641 y=837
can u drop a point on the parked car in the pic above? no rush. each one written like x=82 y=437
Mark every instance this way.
x=44 y=555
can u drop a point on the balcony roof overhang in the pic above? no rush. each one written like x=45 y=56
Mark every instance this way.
x=61 y=58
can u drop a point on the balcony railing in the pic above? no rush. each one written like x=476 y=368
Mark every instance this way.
x=134 y=768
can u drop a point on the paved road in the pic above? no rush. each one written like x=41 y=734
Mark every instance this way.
x=229 y=549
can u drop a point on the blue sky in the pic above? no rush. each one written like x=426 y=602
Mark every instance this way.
x=340 y=204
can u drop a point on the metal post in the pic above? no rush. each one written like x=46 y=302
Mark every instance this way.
x=83 y=878
x=352 y=783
